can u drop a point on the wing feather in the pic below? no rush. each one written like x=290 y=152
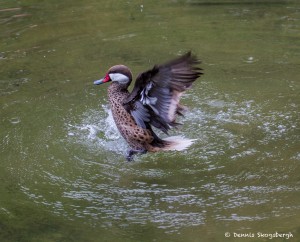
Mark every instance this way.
x=156 y=94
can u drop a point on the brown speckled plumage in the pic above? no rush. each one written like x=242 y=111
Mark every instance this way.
x=154 y=101
x=137 y=137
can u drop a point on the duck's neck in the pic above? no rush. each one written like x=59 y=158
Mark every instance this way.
x=117 y=92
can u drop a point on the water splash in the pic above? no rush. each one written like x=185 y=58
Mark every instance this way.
x=228 y=129
x=96 y=130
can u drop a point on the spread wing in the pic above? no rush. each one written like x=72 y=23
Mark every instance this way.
x=155 y=97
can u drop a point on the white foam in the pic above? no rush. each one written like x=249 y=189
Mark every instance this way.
x=97 y=130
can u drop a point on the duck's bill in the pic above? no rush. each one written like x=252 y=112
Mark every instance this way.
x=103 y=80
x=98 y=82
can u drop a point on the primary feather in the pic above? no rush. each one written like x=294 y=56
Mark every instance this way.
x=157 y=92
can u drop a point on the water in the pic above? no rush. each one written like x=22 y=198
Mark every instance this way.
x=63 y=173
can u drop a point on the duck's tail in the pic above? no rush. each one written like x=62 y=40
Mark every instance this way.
x=178 y=143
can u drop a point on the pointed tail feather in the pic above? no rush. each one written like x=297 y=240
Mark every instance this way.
x=178 y=143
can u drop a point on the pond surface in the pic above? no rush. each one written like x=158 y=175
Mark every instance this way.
x=63 y=173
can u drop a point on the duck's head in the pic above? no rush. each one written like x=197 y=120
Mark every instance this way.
x=119 y=73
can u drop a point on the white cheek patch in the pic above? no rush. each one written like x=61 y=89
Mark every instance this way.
x=118 y=77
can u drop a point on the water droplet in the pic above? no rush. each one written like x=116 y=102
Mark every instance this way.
x=15 y=120
x=250 y=59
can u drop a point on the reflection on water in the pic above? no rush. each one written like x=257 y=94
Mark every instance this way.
x=63 y=172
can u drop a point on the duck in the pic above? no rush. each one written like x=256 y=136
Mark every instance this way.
x=154 y=102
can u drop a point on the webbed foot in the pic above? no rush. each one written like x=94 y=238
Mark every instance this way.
x=132 y=152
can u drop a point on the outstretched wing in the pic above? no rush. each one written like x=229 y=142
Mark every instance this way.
x=155 y=97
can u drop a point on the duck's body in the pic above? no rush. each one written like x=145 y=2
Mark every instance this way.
x=137 y=137
x=154 y=101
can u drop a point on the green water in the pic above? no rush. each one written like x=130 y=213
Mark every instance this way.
x=63 y=176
